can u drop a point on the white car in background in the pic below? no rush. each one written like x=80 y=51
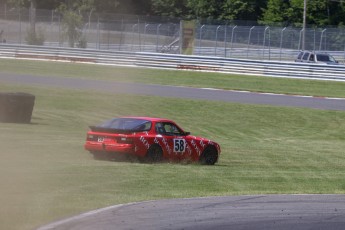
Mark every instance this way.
x=316 y=57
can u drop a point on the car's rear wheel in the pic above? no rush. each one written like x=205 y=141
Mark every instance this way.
x=209 y=156
x=154 y=154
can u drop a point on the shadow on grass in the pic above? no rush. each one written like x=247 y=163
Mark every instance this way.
x=116 y=157
x=26 y=122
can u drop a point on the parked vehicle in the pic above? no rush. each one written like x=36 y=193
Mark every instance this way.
x=316 y=57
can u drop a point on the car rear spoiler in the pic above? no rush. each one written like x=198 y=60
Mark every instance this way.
x=110 y=130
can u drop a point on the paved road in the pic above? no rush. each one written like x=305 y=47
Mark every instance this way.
x=268 y=212
x=177 y=92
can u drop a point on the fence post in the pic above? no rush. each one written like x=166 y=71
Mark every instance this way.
x=281 y=43
x=139 y=34
x=232 y=39
x=225 y=39
x=133 y=36
x=157 y=36
x=98 y=35
x=300 y=38
x=269 y=44
x=321 y=38
x=215 y=49
x=314 y=40
x=60 y=36
x=344 y=45
x=145 y=29
x=250 y=33
x=200 y=34
x=20 y=26
x=264 y=43
x=121 y=34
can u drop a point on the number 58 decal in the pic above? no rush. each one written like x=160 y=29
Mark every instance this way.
x=179 y=145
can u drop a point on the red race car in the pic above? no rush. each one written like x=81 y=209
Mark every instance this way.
x=153 y=139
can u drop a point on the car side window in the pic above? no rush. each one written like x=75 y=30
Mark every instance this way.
x=168 y=129
x=322 y=57
x=305 y=56
x=160 y=128
x=300 y=55
x=311 y=58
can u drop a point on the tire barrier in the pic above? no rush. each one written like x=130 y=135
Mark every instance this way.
x=16 y=107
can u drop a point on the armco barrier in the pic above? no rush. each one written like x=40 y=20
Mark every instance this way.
x=181 y=62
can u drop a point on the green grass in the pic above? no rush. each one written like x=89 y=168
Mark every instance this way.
x=175 y=77
x=46 y=175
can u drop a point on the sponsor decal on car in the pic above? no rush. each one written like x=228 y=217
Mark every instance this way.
x=196 y=147
x=145 y=142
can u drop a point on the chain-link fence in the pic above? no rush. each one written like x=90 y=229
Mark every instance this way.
x=158 y=34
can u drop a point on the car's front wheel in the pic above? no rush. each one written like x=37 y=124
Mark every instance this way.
x=154 y=154
x=209 y=156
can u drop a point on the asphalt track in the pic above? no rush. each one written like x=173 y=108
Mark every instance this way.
x=298 y=212
x=178 y=92
x=263 y=212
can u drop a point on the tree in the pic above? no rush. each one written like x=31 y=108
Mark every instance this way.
x=32 y=38
x=123 y=6
x=210 y=9
x=277 y=11
x=170 y=8
x=73 y=20
x=241 y=10
x=319 y=12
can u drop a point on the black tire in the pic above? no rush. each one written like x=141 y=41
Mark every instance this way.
x=209 y=156
x=154 y=154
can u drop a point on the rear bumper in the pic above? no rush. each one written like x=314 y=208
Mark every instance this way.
x=104 y=147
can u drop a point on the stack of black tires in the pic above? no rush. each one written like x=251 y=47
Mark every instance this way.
x=16 y=107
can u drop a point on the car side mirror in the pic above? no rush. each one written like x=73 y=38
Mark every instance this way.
x=186 y=133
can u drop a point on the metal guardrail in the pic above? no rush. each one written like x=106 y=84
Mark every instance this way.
x=175 y=61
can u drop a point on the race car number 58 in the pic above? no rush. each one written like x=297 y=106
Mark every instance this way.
x=179 y=145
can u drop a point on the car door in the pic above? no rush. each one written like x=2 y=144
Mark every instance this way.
x=172 y=139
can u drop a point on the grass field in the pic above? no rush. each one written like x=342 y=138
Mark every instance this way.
x=46 y=175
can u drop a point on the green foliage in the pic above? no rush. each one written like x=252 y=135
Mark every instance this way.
x=17 y=3
x=172 y=8
x=287 y=12
x=319 y=12
x=209 y=9
x=72 y=20
x=72 y=26
x=233 y=9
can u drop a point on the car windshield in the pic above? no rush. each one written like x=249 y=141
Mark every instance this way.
x=300 y=55
x=130 y=124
